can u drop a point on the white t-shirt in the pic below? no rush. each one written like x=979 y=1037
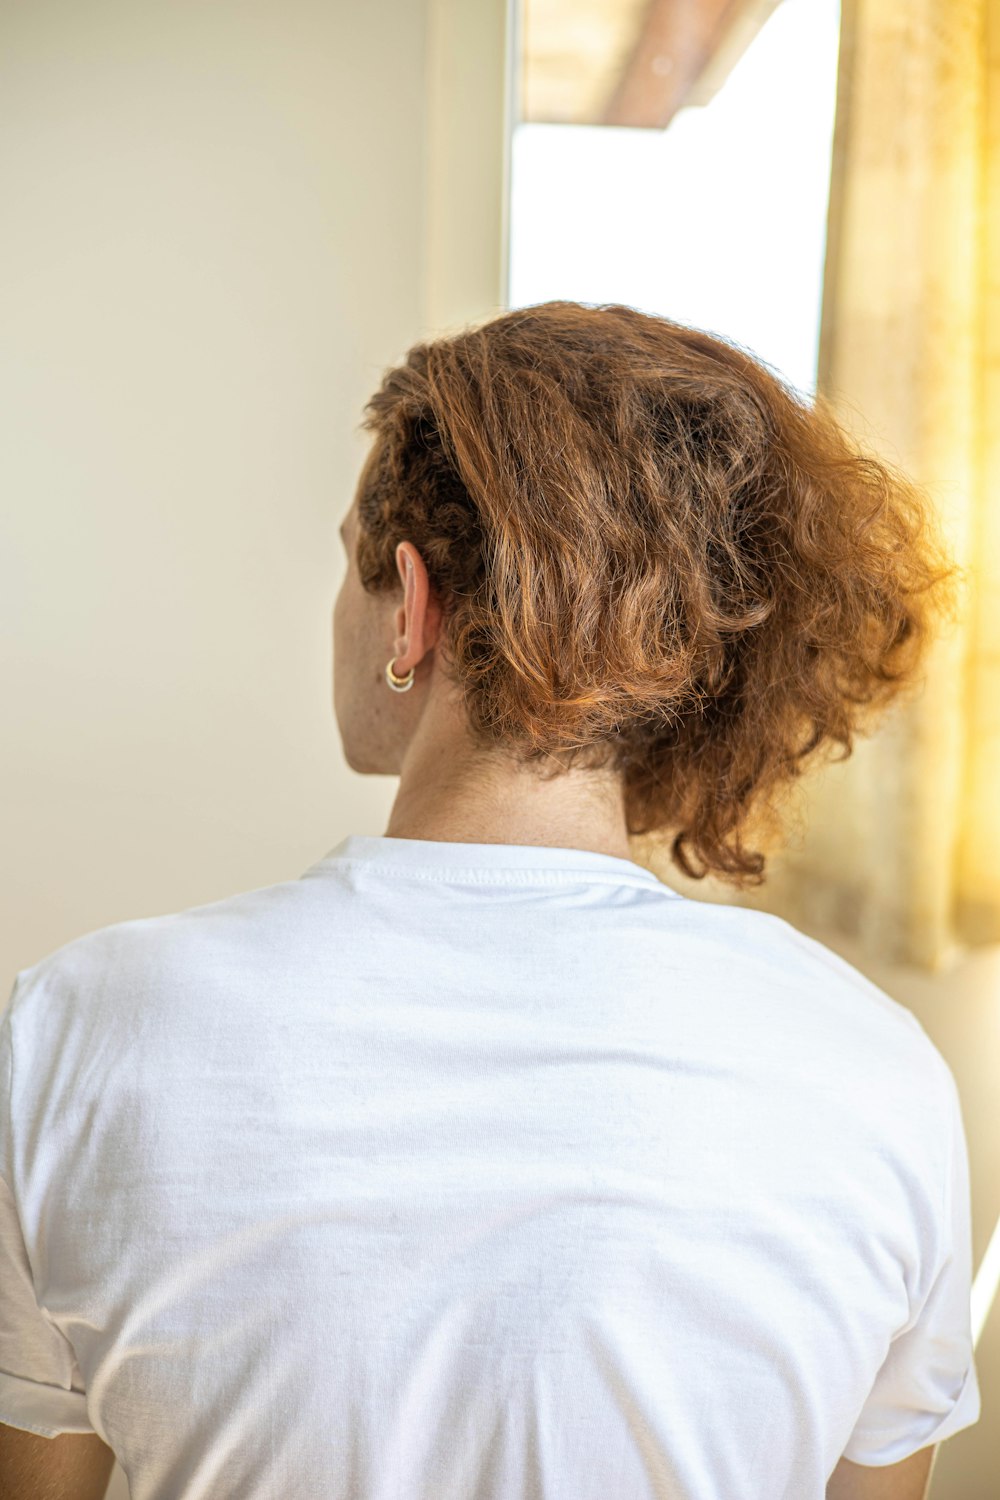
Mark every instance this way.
x=458 y=1171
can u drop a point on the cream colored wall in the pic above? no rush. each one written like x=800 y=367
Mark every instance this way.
x=220 y=223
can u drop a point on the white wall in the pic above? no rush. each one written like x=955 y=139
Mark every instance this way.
x=220 y=223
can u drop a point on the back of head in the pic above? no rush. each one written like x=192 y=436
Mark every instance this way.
x=653 y=556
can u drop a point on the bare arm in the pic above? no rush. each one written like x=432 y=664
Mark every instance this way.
x=910 y=1479
x=72 y=1466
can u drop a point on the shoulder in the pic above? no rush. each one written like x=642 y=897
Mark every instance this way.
x=125 y=963
x=844 y=978
x=817 y=999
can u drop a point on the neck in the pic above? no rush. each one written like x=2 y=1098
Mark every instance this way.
x=479 y=800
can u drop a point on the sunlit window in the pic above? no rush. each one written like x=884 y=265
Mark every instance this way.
x=717 y=219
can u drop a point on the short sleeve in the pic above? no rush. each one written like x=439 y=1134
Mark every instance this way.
x=41 y=1389
x=927 y=1387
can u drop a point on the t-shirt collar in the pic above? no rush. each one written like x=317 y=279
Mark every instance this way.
x=448 y=856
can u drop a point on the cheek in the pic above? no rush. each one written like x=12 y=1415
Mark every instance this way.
x=349 y=615
x=339 y=610
x=341 y=645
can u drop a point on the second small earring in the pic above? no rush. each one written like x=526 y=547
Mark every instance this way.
x=398 y=684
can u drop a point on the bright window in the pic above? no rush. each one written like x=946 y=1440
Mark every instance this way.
x=719 y=220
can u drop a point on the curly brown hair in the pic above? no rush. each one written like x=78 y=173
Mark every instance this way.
x=651 y=554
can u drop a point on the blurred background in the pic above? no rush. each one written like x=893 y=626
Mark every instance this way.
x=223 y=221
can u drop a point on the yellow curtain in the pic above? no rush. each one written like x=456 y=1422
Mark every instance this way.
x=899 y=846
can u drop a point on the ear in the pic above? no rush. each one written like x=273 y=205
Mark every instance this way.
x=418 y=617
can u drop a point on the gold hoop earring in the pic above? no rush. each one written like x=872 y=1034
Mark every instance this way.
x=398 y=684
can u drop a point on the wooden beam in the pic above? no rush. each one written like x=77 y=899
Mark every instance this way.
x=684 y=51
